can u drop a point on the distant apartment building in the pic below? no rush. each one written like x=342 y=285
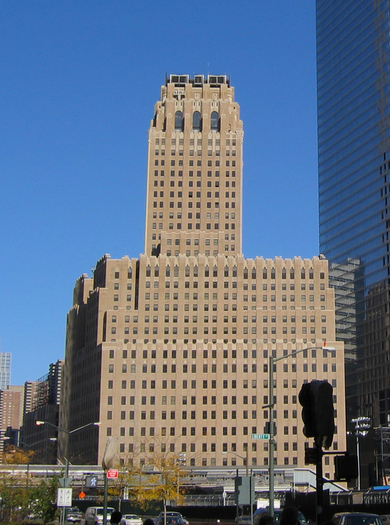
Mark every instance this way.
x=170 y=351
x=42 y=398
x=11 y=414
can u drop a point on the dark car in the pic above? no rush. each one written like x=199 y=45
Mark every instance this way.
x=356 y=518
x=172 y=518
x=278 y=513
x=73 y=514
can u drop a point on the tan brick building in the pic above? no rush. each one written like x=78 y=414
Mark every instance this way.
x=170 y=351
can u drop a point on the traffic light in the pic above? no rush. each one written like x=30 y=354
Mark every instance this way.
x=91 y=482
x=312 y=455
x=308 y=416
x=316 y=399
x=346 y=467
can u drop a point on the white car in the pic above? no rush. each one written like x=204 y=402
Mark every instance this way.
x=94 y=515
x=132 y=519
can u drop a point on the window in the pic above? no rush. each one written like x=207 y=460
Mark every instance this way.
x=214 y=121
x=196 y=121
x=179 y=121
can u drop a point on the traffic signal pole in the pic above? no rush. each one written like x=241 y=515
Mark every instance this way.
x=319 y=486
x=271 y=445
x=316 y=399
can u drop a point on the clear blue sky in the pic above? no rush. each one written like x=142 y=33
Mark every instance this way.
x=79 y=79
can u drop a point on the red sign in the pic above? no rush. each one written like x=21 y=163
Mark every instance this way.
x=112 y=473
x=81 y=495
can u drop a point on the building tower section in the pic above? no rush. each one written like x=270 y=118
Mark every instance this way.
x=194 y=169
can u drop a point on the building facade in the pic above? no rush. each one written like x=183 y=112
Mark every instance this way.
x=354 y=170
x=170 y=351
x=5 y=370
x=41 y=403
x=11 y=414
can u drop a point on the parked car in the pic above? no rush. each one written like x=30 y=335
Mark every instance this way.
x=94 y=515
x=172 y=518
x=356 y=518
x=385 y=520
x=132 y=519
x=73 y=514
x=278 y=513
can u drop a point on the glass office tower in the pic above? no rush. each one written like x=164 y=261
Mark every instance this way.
x=5 y=370
x=353 y=74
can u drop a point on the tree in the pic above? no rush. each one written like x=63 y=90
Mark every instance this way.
x=159 y=480
x=43 y=499
x=127 y=478
x=15 y=455
x=15 y=490
x=19 y=496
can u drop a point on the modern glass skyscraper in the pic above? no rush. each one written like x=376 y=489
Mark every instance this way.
x=353 y=74
x=5 y=370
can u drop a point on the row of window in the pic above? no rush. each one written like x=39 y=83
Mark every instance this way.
x=246 y=272
x=189 y=204
x=229 y=142
x=245 y=319
x=205 y=354
x=206 y=431
x=211 y=383
x=160 y=183
x=196 y=121
x=233 y=271
x=180 y=163
x=214 y=297
x=213 y=369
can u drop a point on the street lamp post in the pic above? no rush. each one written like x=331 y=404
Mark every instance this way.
x=362 y=425
x=28 y=445
x=270 y=406
x=68 y=433
x=244 y=459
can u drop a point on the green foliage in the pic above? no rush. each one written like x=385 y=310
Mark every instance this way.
x=162 y=483
x=43 y=499
x=20 y=498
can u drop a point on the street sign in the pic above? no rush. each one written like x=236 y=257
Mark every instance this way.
x=260 y=436
x=64 y=497
x=112 y=473
x=64 y=482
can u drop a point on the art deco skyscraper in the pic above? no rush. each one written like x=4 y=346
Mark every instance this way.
x=194 y=169
x=170 y=351
x=353 y=67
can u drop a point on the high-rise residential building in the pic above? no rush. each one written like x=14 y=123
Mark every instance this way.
x=11 y=413
x=41 y=402
x=354 y=190
x=170 y=351
x=5 y=370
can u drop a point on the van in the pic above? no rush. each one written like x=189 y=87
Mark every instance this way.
x=356 y=518
x=94 y=515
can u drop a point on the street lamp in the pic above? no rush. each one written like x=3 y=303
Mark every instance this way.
x=244 y=459
x=68 y=433
x=362 y=426
x=28 y=445
x=270 y=406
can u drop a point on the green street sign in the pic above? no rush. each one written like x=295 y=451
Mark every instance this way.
x=260 y=436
